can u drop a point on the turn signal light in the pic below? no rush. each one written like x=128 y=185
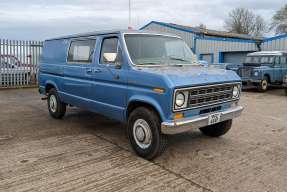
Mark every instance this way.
x=178 y=116
x=158 y=90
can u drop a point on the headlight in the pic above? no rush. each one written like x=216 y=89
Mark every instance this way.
x=256 y=73
x=180 y=99
x=236 y=91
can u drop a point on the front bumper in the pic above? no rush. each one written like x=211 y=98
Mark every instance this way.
x=186 y=124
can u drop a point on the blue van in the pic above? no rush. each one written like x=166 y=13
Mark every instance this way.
x=152 y=82
x=264 y=68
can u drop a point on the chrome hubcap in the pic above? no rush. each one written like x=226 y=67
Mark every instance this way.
x=142 y=133
x=53 y=103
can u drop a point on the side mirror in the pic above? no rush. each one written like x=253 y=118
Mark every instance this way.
x=110 y=57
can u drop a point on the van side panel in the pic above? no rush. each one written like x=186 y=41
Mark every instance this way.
x=51 y=68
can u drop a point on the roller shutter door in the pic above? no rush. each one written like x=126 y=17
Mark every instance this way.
x=234 y=57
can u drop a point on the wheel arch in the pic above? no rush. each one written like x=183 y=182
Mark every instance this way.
x=268 y=77
x=49 y=85
x=135 y=103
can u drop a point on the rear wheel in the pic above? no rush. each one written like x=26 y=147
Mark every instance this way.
x=218 y=129
x=56 y=107
x=144 y=133
x=263 y=85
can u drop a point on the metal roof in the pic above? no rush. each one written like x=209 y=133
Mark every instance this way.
x=207 y=32
x=270 y=53
x=95 y=33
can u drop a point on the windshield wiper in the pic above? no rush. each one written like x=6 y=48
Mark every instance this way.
x=148 y=63
x=178 y=59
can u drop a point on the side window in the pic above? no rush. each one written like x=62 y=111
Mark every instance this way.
x=110 y=51
x=81 y=51
x=277 y=62
x=283 y=61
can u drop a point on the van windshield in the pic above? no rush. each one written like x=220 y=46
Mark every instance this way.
x=148 y=49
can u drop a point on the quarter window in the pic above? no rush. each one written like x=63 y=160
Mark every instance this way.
x=111 y=46
x=81 y=51
x=277 y=62
x=283 y=60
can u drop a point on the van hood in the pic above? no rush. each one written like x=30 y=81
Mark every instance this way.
x=184 y=76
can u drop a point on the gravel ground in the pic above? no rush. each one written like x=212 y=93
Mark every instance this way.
x=86 y=151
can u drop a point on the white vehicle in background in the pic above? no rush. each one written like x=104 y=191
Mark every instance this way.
x=13 y=72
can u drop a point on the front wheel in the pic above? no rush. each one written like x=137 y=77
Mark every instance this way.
x=263 y=85
x=56 y=107
x=144 y=133
x=218 y=129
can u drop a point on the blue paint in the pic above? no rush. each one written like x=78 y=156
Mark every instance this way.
x=169 y=26
x=111 y=90
x=220 y=57
x=212 y=58
x=194 y=45
x=275 y=37
x=227 y=39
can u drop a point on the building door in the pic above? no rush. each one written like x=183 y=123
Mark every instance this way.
x=234 y=57
x=207 y=57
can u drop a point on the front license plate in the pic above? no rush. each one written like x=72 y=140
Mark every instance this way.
x=214 y=118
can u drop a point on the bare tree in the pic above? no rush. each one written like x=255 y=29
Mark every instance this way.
x=202 y=26
x=279 y=21
x=244 y=21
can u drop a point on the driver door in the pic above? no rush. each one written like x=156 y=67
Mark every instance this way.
x=278 y=70
x=283 y=61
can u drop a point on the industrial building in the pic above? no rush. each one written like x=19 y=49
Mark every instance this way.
x=218 y=46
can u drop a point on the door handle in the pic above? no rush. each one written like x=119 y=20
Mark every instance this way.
x=97 y=71
x=93 y=70
x=89 y=70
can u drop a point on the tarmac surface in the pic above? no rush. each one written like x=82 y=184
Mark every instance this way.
x=88 y=152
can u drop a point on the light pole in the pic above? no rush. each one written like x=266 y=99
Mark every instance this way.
x=130 y=19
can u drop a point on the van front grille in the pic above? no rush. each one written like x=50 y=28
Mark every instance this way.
x=203 y=96
x=209 y=95
x=245 y=72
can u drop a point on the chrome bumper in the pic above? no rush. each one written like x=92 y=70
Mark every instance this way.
x=186 y=124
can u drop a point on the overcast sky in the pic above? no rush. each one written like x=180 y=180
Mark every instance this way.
x=41 y=19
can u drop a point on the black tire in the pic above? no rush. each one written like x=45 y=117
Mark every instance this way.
x=218 y=129
x=58 y=109
x=158 y=141
x=263 y=85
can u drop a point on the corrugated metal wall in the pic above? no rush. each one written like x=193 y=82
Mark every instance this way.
x=207 y=45
x=278 y=43
x=215 y=46
x=187 y=37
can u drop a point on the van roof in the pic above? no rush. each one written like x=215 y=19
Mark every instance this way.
x=267 y=53
x=95 y=33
